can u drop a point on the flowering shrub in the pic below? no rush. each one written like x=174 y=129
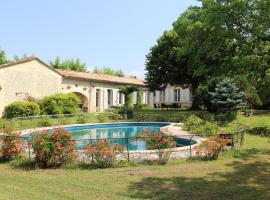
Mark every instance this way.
x=10 y=145
x=211 y=148
x=103 y=154
x=160 y=142
x=53 y=149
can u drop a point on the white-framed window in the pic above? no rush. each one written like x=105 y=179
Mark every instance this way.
x=162 y=95
x=177 y=95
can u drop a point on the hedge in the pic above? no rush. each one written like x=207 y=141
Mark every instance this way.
x=60 y=104
x=21 y=109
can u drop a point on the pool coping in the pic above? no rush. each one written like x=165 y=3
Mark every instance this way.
x=173 y=129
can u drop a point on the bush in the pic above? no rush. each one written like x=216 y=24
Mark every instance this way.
x=81 y=119
x=103 y=154
x=225 y=118
x=53 y=149
x=125 y=110
x=207 y=129
x=211 y=148
x=192 y=122
x=162 y=118
x=61 y=104
x=261 y=131
x=198 y=126
x=140 y=117
x=21 y=109
x=45 y=121
x=10 y=145
x=63 y=120
x=101 y=118
x=161 y=142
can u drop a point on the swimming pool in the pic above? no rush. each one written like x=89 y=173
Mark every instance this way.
x=122 y=133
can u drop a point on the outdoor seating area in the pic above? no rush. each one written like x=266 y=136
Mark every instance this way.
x=167 y=105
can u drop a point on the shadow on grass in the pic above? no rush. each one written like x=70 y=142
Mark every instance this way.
x=247 y=181
x=246 y=154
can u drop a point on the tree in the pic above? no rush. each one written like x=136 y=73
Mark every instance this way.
x=127 y=91
x=17 y=58
x=264 y=90
x=139 y=99
x=224 y=37
x=108 y=71
x=251 y=96
x=68 y=64
x=3 y=57
x=226 y=97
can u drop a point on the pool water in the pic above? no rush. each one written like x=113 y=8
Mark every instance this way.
x=124 y=134
x=116 y=133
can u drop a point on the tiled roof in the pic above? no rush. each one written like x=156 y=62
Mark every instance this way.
x=101 y=77
x=83 y=75
x=28 y=59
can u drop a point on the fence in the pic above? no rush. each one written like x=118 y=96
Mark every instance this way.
x=135 y=147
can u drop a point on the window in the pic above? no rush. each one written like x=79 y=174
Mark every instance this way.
x=97 y=97
x=177 y=95
x=120 y=98
x=162 y=95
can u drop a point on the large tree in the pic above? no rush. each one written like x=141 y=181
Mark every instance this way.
x=69 y=64
x=222 y=37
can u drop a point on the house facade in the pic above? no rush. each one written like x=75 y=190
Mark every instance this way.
x=31 y=77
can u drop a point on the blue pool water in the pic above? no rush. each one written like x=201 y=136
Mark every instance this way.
x=117 y=134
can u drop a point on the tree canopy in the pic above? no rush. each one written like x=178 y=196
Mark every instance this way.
x=227 y=97
x=68 y=64
x=219 y=38
x=108 y=71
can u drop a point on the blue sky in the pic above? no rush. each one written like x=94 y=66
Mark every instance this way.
x=114 y=33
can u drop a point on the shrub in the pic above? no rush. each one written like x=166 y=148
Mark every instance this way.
x=63 y=120
x=45 y=121
x=146 y=107
x=21 y=109
x=53 y=149
x=81 y=119
x=210 y=148
x=101 y=118
x=262 y=131
x=140 y=117
x=103 y=154
x=61 y=104
x=10 y=145
x=161 y=118
x=125 y=111
x=192 y=122
x=207 y=129
x=160 y=142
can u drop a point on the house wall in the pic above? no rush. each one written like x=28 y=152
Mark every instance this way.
x=35 y=79
x=30 y=78
x=169 y=95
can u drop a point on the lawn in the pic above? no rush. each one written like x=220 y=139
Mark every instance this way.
x=238 y=175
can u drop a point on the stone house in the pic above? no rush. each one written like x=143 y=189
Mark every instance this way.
x=33 y=77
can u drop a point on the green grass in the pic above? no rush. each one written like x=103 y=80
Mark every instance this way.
x=260 y=118
x=239 y=175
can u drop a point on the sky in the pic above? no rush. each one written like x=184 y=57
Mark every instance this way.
x=113 y=33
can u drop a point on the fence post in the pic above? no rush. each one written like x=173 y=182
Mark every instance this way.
x=190 y=150
x=127 y=149
x=29 y=152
